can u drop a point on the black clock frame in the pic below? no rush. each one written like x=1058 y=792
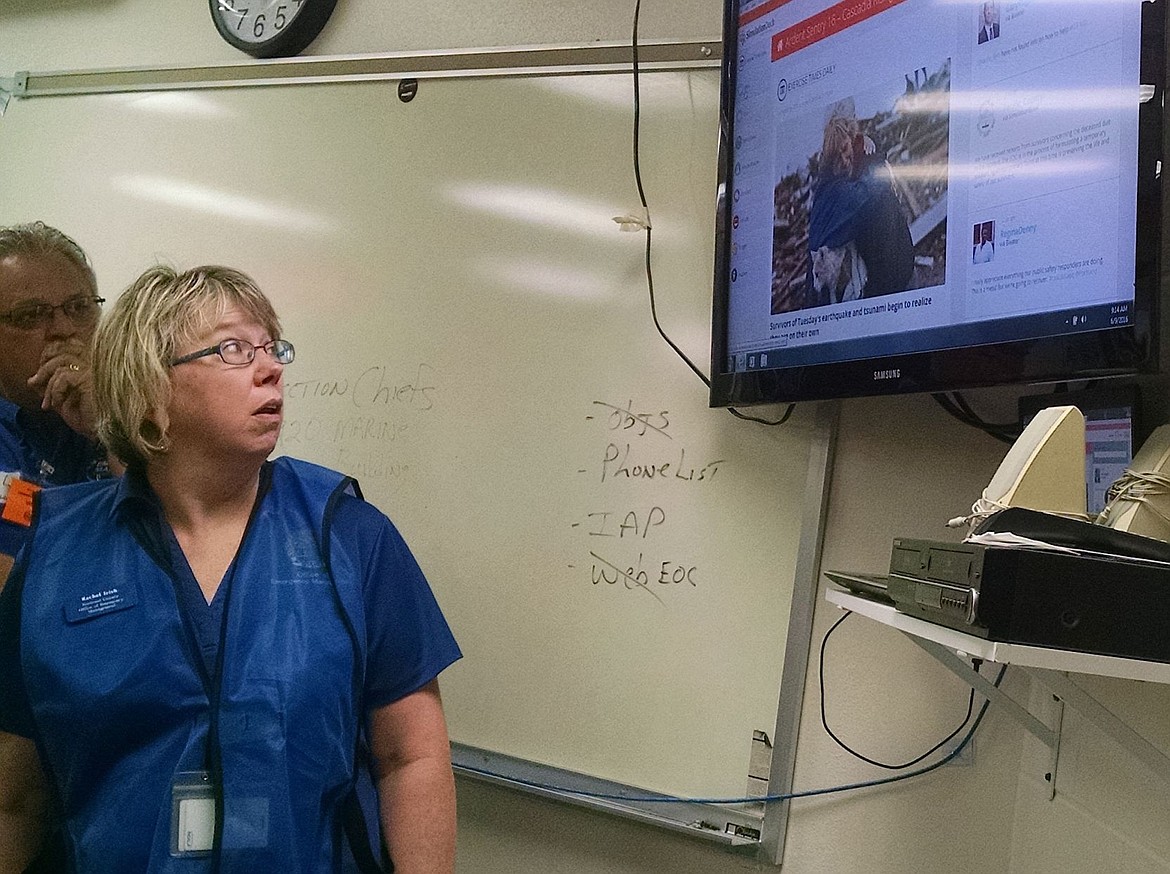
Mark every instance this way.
x=292 y=39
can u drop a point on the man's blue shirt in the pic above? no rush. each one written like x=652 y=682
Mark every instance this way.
x=40 y=448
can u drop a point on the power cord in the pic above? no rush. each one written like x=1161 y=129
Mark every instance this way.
x=1136 y=487
x=751 y=799
x=864 y=758
x=1007 y=432
x=647 y=226
x=957 y=406
x=981 y=510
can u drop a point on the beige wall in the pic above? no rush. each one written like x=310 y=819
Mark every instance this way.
x=83 y=34
x=902 y=468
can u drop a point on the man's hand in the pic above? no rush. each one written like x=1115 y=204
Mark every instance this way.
x=66 y=381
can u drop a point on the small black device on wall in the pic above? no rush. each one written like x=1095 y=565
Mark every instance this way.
x=270 y=28
x=906 y=208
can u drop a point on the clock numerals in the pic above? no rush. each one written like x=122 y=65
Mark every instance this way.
x=279 y=20
x=260 y=23
x=270 y=28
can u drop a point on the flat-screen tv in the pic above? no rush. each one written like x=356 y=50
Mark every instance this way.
x=930 y=195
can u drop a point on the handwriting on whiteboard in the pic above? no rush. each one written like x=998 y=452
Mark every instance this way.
x=358 y=429
x=617 y=464
x=352 y=419
x=372 y=388
x=658 y=459
x=628 y=545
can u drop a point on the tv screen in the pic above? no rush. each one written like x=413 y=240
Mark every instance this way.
x=924 y=195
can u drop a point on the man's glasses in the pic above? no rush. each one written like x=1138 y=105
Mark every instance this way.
x=240 y=352
x=83 y=311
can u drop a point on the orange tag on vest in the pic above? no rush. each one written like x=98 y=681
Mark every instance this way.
x=18 y=507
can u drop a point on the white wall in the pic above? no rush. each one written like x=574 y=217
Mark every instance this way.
x=83 y=34
x=902 y=468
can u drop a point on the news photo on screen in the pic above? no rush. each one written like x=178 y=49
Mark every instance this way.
x=904 y=177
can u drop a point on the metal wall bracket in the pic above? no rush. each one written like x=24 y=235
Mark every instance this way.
x=1050 y=737
x=1048 y=667
x=1065 y=689
x=798 y=642
x=13 y=86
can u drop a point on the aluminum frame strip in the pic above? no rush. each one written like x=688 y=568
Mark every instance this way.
x=800 y=629
x=470 y=63
x=728 y=825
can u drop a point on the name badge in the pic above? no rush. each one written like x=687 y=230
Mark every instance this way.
x=108 y=599
x=192 y=814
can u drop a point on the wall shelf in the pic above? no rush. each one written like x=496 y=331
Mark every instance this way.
x=1048 y=667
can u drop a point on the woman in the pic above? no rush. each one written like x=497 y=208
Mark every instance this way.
x=192 y=659
x=836 y=270
x=858 y=238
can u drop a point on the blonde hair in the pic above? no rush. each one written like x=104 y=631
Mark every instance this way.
x=837 y=148
x=136 y=342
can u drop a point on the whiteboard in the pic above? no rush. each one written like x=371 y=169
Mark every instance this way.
x=474 y=344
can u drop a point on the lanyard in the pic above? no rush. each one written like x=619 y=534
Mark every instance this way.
x=213 y=680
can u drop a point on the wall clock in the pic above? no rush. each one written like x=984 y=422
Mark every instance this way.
x=270 y=28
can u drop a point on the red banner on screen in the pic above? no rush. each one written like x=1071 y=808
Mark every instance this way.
x=824 y=24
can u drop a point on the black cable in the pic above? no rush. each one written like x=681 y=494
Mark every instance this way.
x=1007 y=432
x=786 y=796
x=1011 y=429
x=642 y=197
x=646 y=212
x=864 y=758
x=783 y=417
x=958 y=407
x=883 y=781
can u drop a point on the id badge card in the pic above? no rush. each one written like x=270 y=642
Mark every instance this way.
x=16 y=499
x=192 y=814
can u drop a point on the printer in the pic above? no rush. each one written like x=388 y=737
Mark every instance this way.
x=1035 y=568
x=1074 y=599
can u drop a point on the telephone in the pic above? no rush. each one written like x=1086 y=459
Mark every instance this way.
x=1044 y=470
x=1139 y=501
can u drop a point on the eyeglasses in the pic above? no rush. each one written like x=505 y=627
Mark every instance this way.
x=82 y=311
x=241 y=352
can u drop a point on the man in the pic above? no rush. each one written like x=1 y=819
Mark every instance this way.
x=48 y=310
x=989 y=23
x=985 y=250
x=883 y=236
x=854 y=206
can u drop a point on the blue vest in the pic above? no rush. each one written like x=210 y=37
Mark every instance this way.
x=122 y=706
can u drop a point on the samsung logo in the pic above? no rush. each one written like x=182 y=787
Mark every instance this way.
x=888 y=374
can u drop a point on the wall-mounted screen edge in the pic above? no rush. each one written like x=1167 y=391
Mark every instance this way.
x=918 y=195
